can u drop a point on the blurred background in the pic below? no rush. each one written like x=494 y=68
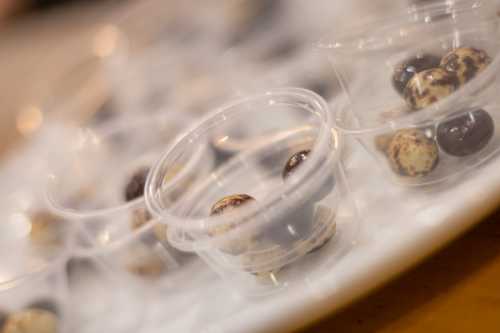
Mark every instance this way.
x=55 y=52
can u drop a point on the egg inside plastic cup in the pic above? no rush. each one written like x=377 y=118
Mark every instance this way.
x=34 y=242
x=34 y=245
x=36 y=302
x=256 y=213
x=100 y=184
x=419 y=88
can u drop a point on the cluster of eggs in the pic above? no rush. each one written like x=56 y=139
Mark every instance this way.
x=243 y=245
x=422 y=81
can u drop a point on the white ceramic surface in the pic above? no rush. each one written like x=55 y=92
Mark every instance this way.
x=400 y=227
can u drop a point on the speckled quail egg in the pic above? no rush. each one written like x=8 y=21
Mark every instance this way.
x=411 y=153
x=429 y=86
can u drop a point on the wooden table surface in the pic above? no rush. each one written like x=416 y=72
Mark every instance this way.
x=456 y=290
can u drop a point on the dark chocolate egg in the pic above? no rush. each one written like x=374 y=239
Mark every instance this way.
x=135 y=187
x=407 y=69
x=465 y=134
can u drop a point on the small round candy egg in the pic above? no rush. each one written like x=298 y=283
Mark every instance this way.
x=429 y=86
x=465 y=62
x=465 y=134
x=228 y=205
x=411 y=153
x=408 y=68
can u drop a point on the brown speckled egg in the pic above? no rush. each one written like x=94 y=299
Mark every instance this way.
x=31 y=321
x=429 y=86
x=465 y=62
x=294 y=161
x=227 y=205
x=411 y=153
x=408 y=68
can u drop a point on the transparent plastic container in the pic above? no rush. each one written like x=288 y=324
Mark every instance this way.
x=101 y=299
x=34 y=245
x=408 y=75
x=301 y=213
x=37 y=302
x=308 y=71
x=99 y=186
x=32 y=239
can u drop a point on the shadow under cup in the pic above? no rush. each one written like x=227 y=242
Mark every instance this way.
x=305 y=214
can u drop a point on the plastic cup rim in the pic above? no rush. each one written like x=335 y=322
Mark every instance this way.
x=201 y=224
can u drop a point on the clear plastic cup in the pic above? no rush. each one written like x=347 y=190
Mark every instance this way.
x=145 y=257
x=34 y=245
x=303 y=213
x=100 y=184
x=32 y=238
x=308 y=71
x=407 y=77
x=101 y=299
x=37 y=302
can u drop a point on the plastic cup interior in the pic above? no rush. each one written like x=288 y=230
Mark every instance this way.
x=419 y=70
x=33 y=240
x=100 y=299
x=376 y=50
x=100 y=183
x=289 y=217
x=36 y=303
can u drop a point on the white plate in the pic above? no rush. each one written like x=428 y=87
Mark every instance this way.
x=399 y=227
